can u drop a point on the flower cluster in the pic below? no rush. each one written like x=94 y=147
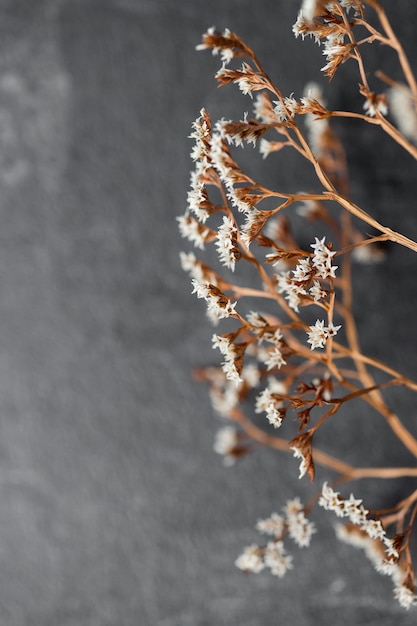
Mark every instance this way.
x=319 y=334
x=370 y=535
x=232 y=352
x=304 y=282
x=294 y=522
x=270 y=401
x=218 y=305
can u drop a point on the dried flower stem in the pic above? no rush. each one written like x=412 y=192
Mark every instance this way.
x=291 y=364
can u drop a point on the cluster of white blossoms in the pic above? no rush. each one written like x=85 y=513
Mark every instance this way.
x=225 y=443
x=255 y=558
x=319 y=334
x=403 y=109
x=226 y=243
x=370 y=535
x=317 y=127
x=300 y=529
x=218 y=305
x=375 y=104
x=200 y=154
x=332 y=34
x=294 y=522
x=225 y=393
x=291 y=289
x=303 y=280
x=269 y=401
x=192 y=230
x=286 y=108
x=276 y=558
x=322 y=259
x=304 y=462
x=221 y=162
x=229 y=351
x=272 y=357
x=226 y=52
x=192 y=265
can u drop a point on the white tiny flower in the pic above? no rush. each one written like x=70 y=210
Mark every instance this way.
x=237 y=202
x=356 y=5
x=297 y=27
x=351 y=536
x=319 y=333
x=226 y=53
x=201 y=288
x=251 y=221
x=331 y=501
x=291 y=105
x=387 y=568
x=222 y=343
x=302 y=270
x=251 y=375
x=251 y=559
x=277 y=386
x=403 y=110
x=292 y=507
x=217 y=311
x=226 y=440
x=390 y=550
x=191 y=229
x=322 y=259
x=273 y=525
x=265 y=147
x=276 y=558
x=188 y=261
x=331 y=330
x=405 y=596
x=228 y=349
x=283 y=281
x=263 y=400
x=316 y=291
x=373 y=107
x=292 y=290
x=219 y=157
x=229 y=368
x=373 y=528
x=224 y=400
x=190 y=264
x=226 y=243
x=274 y=359
x=309 y=9
x=306 y=208
x=297 y=453
x=351 y=505
x=245 y=86
x=255 y=319
x=279 y=110
x=368 y=254
x=273 y=416
x=300 y=529
x=357 y=515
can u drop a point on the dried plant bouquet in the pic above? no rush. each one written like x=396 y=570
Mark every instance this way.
x=289 y=348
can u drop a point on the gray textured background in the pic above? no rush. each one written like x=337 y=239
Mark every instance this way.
x=113 y=507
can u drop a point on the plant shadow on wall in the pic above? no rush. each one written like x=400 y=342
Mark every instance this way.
x=292 y=366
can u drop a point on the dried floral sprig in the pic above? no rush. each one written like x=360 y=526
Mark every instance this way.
x=299 y=352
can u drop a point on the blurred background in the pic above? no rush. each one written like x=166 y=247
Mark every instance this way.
x=114 y=509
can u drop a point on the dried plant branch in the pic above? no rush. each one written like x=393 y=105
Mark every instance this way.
x=275 y=356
